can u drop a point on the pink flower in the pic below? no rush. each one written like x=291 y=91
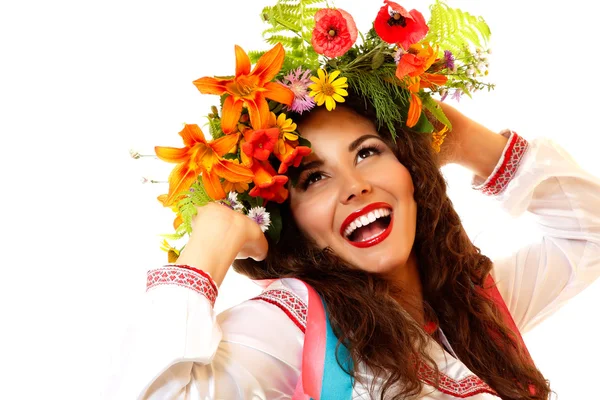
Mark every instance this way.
x=334 y=33
x=297 y=82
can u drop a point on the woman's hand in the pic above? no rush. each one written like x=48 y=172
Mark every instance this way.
x=470 y=144
x=219 y=236
x=451 y=147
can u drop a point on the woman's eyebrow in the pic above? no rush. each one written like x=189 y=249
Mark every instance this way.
x=309 y=165
x=351 y=147
x=361 y=139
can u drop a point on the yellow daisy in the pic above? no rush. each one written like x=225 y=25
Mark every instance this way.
x=287 y=129
x=327 y=89
x=239 y=187
x=172 y=252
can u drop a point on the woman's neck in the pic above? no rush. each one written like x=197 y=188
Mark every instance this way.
x=410 y=293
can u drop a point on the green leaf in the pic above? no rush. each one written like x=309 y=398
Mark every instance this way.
x=455 y=30
x=198 y=194
x=291 y=24
x=214 y=127
x=255 y=55
x=274 y=230
x=434 y=108
x=380 y=87
x=172 y=236
x=230 y=156
x=423 y=125
x=250 y=200
x=377 y=60
x=304 y=142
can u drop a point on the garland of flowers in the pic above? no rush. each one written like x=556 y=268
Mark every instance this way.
x=398 y=65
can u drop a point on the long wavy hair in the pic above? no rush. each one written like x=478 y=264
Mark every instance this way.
x=375 y=328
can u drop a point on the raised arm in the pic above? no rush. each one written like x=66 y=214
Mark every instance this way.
x=540 y=178
x=180 y=349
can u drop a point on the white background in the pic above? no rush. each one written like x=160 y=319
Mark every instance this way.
x=81 y=82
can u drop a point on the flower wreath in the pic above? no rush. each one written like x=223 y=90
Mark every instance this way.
x=399 y=64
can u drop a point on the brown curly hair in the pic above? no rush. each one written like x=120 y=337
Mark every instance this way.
x=377 y=331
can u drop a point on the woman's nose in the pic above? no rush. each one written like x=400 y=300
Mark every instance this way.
x=354 y=185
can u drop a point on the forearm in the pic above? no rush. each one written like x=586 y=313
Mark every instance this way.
x=480 y=149
x=471 y=144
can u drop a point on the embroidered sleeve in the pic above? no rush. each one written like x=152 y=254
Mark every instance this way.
x=289 y=303
x=507 y=165
x=561 y=256
x=179 y=348
x=185 y=276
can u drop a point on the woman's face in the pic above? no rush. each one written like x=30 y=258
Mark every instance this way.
x=353 y=195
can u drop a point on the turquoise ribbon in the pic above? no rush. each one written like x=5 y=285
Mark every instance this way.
x=336 y=384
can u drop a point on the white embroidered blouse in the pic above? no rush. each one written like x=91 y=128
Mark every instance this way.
x=182 y=350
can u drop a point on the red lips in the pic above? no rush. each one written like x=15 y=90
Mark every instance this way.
x=364 y=211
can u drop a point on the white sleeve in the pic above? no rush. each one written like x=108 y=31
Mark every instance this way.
x=181 y=350
x=541 y=178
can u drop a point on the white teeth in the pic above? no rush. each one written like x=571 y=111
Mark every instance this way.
x=366 y=219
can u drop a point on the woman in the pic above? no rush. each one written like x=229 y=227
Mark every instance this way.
x=423 y=268
x=374 y=289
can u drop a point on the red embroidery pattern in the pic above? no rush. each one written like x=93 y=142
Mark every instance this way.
x=466 y=387
x=512 y=156
x=183 y=275
x=289 y=303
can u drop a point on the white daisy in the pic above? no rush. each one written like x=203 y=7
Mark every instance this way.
x=232 y=197
x=261 y=217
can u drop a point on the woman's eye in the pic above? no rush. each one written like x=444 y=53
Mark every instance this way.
x=368 y=151
x=312 y=178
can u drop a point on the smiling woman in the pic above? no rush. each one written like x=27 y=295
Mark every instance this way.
x=358 y=174
x=372 y=287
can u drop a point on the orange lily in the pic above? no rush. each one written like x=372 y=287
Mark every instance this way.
x=250 y=89
x=201 y=157
x=416 y=104
x=239 y=187
x=267 y=184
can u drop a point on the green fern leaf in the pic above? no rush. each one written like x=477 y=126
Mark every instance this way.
x=173 y=236
x=254 y=55
x=198 y=194
x=214 y=127
x=291 y=24
x=453 y=29
x=286 y=41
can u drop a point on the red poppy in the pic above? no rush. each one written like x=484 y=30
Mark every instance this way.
x=260 y=143
x=268 y=184
x=334 y=33
x=396 y=25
